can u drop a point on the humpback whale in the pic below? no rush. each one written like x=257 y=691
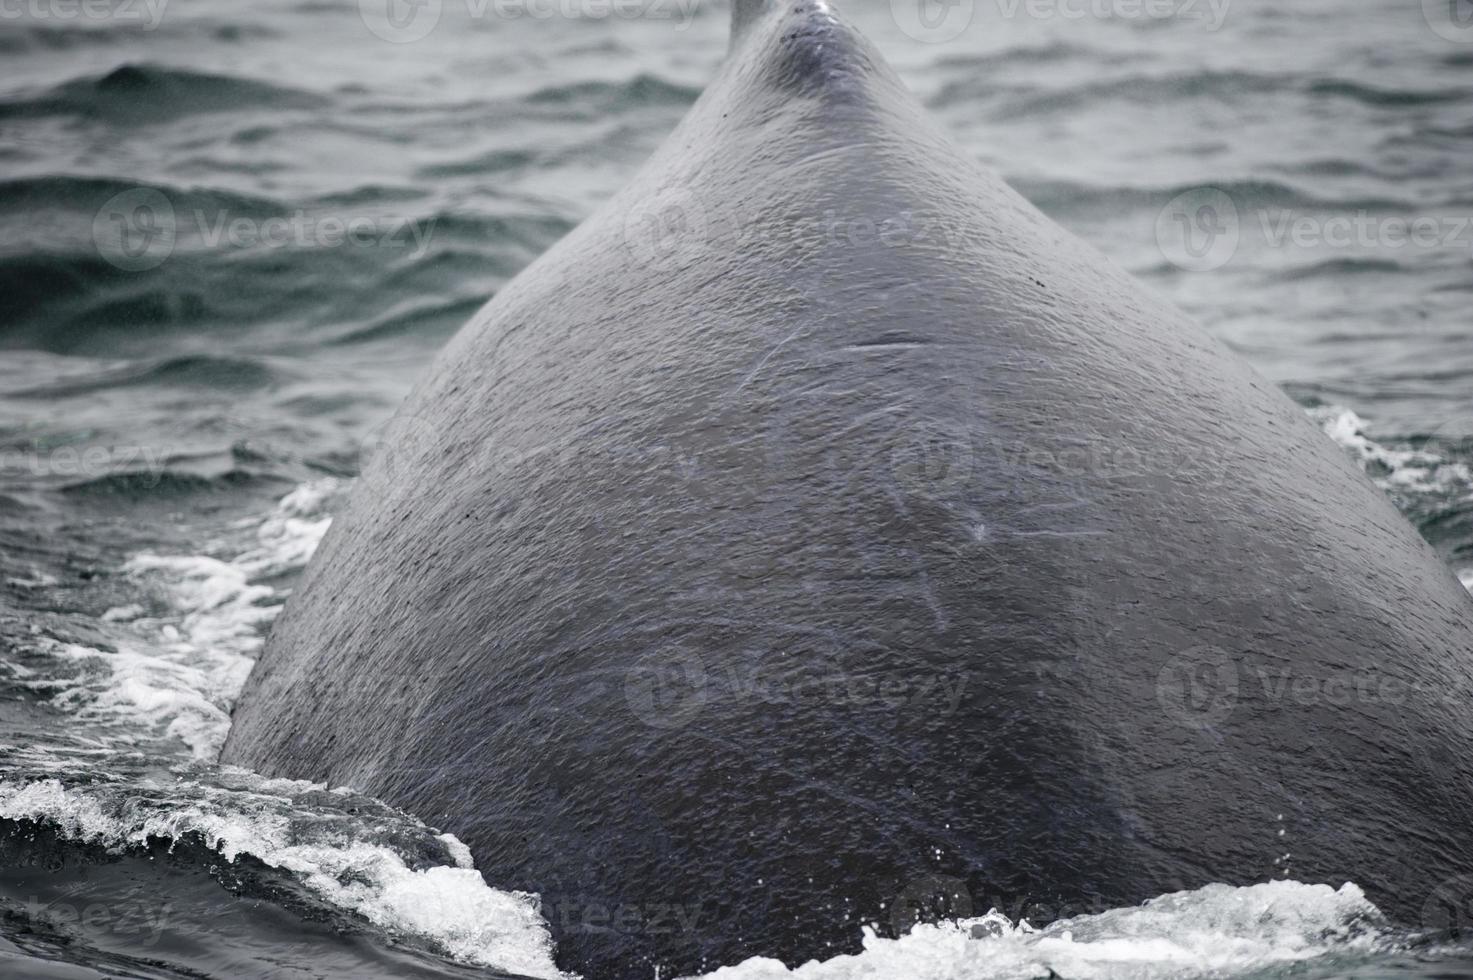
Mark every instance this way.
x=818 y=538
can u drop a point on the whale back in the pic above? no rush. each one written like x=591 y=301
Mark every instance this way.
x=820 y=537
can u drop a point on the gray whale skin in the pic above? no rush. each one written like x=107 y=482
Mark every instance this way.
x=819 y=537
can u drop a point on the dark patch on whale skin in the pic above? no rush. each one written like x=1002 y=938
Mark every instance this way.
x=820 y=55
x=713 y=462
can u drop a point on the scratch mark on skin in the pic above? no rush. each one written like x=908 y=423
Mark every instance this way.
x=884 y=346
x=765 y=358
x=1058 y=534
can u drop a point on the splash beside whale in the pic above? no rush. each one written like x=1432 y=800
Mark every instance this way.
x=819 y=537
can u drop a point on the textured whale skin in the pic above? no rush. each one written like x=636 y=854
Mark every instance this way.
x=819 y=536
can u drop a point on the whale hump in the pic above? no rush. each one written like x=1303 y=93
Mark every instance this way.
x=818 y=538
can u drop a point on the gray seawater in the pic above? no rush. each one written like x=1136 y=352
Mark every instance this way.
x=231 y=234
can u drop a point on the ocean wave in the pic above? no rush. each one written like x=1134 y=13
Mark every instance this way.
x=86 y=194
x=1245 y=193
x=347 y=851
x=219 y=373
x=1141 y=89
x=21 y=37
x=1380 y=97
x=1156 y=89
x=1214 y=931
x=1396 y=469
x=1429 y=476
x=140 y=484
x=173 y=677
x=145 y=93
x=1025 y=55
x=599 y=98
x=490 y=162
x=1338 y=268
x=419 y=317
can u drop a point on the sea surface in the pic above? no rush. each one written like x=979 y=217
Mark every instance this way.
x=232 y=233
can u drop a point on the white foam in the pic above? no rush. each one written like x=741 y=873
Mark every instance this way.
x=459 y=853
x=176 y=676
x=123 y=614
x=1404 y=469
x=40 y=580
x=1399 y=471
x=450 y=908
x=1215 y=931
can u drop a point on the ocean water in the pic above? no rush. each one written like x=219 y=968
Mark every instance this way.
x=231 y=234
